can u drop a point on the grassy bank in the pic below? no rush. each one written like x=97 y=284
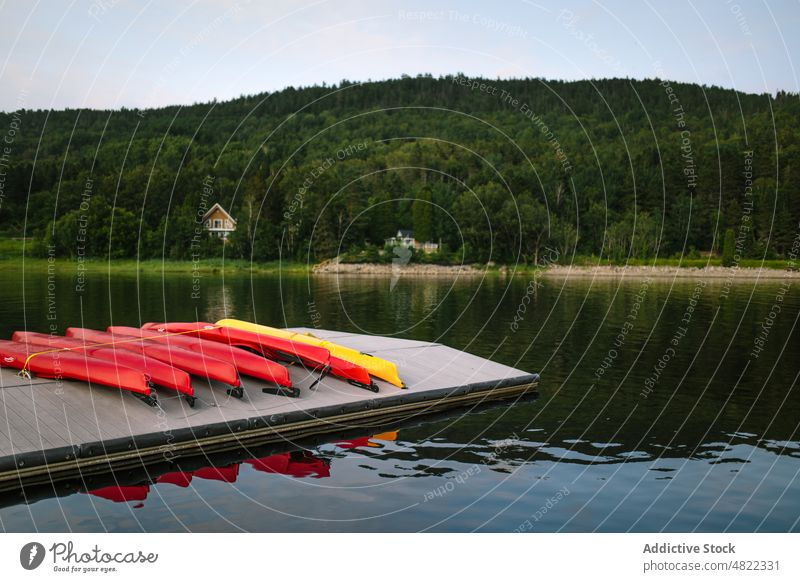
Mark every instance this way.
x=585 y=262
x=11 y=248
x=11 y=258
x=157 y=266
x=693 y=263
x=151 y=266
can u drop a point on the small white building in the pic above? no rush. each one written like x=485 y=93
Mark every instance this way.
x=428 y=247
x=405 y=238
x=218 y=222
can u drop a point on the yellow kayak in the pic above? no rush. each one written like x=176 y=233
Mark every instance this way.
x=378 y=367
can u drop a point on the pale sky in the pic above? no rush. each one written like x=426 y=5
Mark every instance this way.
x=129 y=53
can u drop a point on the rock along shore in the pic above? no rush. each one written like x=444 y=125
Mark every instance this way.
x=334 y=266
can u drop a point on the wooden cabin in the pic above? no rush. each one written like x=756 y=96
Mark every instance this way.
x=218 y=222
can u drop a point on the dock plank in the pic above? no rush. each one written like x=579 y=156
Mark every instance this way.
x=40 y=420
x=50 y=406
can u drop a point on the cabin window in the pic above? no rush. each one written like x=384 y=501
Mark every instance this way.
x=217 y=223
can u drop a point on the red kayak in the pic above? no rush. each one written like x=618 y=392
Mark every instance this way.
x=245 y=362
x=356 y=443
x=122 y=493
x=178 y=478
x=61 y=364
x=157 y=371
x=296 y=464
x=274 y=347
x=191 y=362
x=225 y=474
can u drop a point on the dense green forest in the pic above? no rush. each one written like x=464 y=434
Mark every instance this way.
x=495 y=170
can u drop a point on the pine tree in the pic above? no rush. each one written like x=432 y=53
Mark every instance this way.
x=728 y=248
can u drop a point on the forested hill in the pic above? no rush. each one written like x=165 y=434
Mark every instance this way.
x=494 y=169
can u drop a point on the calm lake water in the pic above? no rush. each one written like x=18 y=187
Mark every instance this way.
x=654 y=411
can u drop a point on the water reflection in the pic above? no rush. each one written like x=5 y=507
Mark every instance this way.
x=439 y=458
x=612 y=485
x=713 y=445
x=299 y=464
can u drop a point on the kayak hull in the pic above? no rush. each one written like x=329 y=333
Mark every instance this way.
x=227 y=474
x=63 y=364
x=375 y=366
x=178 y=478
x=191 y=362
x=294 y=464
x=122 y=493
x=273 y=347
x=158 y=372
x=245 y=362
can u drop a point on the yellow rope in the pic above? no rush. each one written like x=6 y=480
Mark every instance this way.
x=25 y=373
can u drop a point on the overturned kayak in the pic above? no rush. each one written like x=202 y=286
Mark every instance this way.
x=275 y=348
x=245 y=362
x=191 y=362
x=177 y=478
x=378 y=367
x=158 y=372
x=310 y=356
x=295 y=464
x=227 y=474
x=64 y=364
x=122 y=493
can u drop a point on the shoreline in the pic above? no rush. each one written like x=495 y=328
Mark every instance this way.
x=557 y=271
x=332 y=267
x=668 y=272
x=150 y=266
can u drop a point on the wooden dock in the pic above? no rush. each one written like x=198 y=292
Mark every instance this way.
x=50 y=430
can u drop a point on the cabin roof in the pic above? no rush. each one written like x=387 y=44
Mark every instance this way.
x=221 y=209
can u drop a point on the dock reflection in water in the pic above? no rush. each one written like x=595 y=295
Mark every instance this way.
x=299 y=464
x=429 y=472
